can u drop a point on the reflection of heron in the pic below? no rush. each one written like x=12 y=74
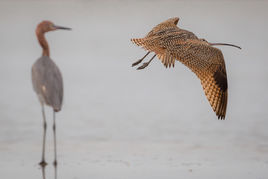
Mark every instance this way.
x=170 y=43
x=43 y=168
x=47 y=81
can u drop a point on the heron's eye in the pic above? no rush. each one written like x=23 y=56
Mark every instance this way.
x=51 y=26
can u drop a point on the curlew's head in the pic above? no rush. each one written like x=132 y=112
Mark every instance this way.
x=46 y=26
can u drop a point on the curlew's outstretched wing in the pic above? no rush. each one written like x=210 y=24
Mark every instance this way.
x=162 y=40
x=47 y=82
x=168 y=25
x=150 y=41
x=208 y=64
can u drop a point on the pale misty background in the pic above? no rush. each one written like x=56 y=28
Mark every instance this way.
x=118 y=122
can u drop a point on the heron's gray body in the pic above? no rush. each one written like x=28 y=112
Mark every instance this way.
x=47 y=82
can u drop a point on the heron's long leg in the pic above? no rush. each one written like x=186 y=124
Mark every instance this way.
x=140 y=60
x=55 y=143
x=43 y=162
x=146 y=64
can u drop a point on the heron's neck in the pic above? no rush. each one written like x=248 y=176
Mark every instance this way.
x=43 y=42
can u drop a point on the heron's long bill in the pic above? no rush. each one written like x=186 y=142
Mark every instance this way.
x=226 y=45
x=63 y=28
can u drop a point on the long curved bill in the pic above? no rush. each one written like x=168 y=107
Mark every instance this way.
x=63 y=28
x=226 y=45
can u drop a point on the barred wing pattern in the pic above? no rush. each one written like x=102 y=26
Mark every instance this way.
x=208 y=64
x=162 y=27
x=162 y=40
x=205 y=61
x=150 y=41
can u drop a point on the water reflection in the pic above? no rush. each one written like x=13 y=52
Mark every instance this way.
x=43 y=169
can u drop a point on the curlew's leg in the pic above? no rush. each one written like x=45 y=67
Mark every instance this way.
x=140 y=60
x=55 y=143
x=146 y=64
x=43 y=162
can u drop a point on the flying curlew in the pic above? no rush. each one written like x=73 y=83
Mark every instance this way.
x=170 y=43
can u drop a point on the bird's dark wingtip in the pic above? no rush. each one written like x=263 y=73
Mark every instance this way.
x=221 y=117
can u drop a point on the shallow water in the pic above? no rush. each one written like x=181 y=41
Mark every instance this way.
x=117 y=122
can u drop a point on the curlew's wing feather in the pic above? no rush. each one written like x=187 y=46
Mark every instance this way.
x=167 y=59
x=208 y=64
x=152 y=46
x=162 y=40
x=163 y=27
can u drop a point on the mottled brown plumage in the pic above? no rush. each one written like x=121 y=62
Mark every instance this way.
x=171 y=43
x=163 y=28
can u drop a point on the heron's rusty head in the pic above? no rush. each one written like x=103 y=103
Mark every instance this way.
x=46 y=26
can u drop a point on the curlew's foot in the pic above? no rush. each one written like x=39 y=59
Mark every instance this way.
x=43 y=163
x=137 y=62
x=144 y=65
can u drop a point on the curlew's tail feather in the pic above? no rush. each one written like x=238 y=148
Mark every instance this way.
x=139 y=42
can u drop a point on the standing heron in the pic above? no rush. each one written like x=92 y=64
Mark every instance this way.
x=47 y=82
x=170 y=43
